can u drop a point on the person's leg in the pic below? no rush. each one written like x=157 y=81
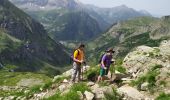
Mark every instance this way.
x=102 y=73
x=79 y=72
x=74 y=73
x=98 y=79
x=107 y=71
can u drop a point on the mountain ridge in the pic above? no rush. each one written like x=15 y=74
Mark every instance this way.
x=36 y=51
x=105 y=17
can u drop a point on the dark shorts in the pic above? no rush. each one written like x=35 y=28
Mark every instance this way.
x=103 y=71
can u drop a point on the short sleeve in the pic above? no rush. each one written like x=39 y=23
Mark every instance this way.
x=75 y=54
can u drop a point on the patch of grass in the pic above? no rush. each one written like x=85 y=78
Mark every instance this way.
x=150 y=77
x=92 y=73
x=112 y=68
x=168 y=73
x=47 y=85
x=60 y=79
x=151 y=54
x=156 y=67
x=163 y=96
x=35 y=89
x=119 y=61
x=103 y=83
x=11 y=93
x=144 y=53
x=157 y=50
x=55 y=97
x=80 y=87
x=120 y=68
x=12 y=78
x=162 y=83
x=72 y=94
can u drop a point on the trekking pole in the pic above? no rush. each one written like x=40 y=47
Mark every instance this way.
x=83 y=69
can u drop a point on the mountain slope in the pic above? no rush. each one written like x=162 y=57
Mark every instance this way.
x=126 y=35
x=74 y=26
x=115 y=14
x=35 y=50
x=49 y=11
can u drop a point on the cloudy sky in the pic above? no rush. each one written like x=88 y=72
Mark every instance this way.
x=155 y=7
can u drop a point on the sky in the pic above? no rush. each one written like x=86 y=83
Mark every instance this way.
x=155 y=7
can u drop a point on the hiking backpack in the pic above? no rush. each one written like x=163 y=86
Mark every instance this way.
x=101 y=58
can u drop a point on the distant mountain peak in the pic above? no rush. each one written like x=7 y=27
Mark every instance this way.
x=123 y=6
x=46 y=4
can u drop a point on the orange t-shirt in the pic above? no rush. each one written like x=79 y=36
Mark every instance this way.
x=79 y=54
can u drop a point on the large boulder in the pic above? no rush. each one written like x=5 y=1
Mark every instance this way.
x=130 y=93
x=101 y=91
x=89 y=95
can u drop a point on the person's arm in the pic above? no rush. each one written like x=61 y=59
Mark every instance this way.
x=75 y=56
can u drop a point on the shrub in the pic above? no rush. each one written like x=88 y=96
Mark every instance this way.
x=163 y=96
x=150 y=77
x=120 y=69
x=92 y=73
x=72 y=94
x=80 y=87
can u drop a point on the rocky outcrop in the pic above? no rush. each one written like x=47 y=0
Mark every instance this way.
x=149 y=66
x=140 y=61
x=130 y=93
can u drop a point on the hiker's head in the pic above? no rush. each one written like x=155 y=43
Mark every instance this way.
x=110 y=51
x=81 y=46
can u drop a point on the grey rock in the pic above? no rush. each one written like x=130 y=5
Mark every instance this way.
x=89 y=95
x=130 y=93
x=144 y=86
x=62 y=87
x=90 y=83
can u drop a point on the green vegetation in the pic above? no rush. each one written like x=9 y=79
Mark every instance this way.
x=163 y=83
x=163 y=96
x=60 y=79
x=149 y=77
x=11 y=93
x=72 y=94
x=127 y=36
x=25 y=43
x=92 y=73
x=80 y=87
x=8 y=42
x=12 y=78
x=120 y=68
x=104 y=83
x=126 y=31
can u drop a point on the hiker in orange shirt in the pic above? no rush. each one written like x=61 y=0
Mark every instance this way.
x=78 y=60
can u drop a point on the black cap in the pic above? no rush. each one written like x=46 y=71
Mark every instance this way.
x=110 y=50
x=81 y=45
